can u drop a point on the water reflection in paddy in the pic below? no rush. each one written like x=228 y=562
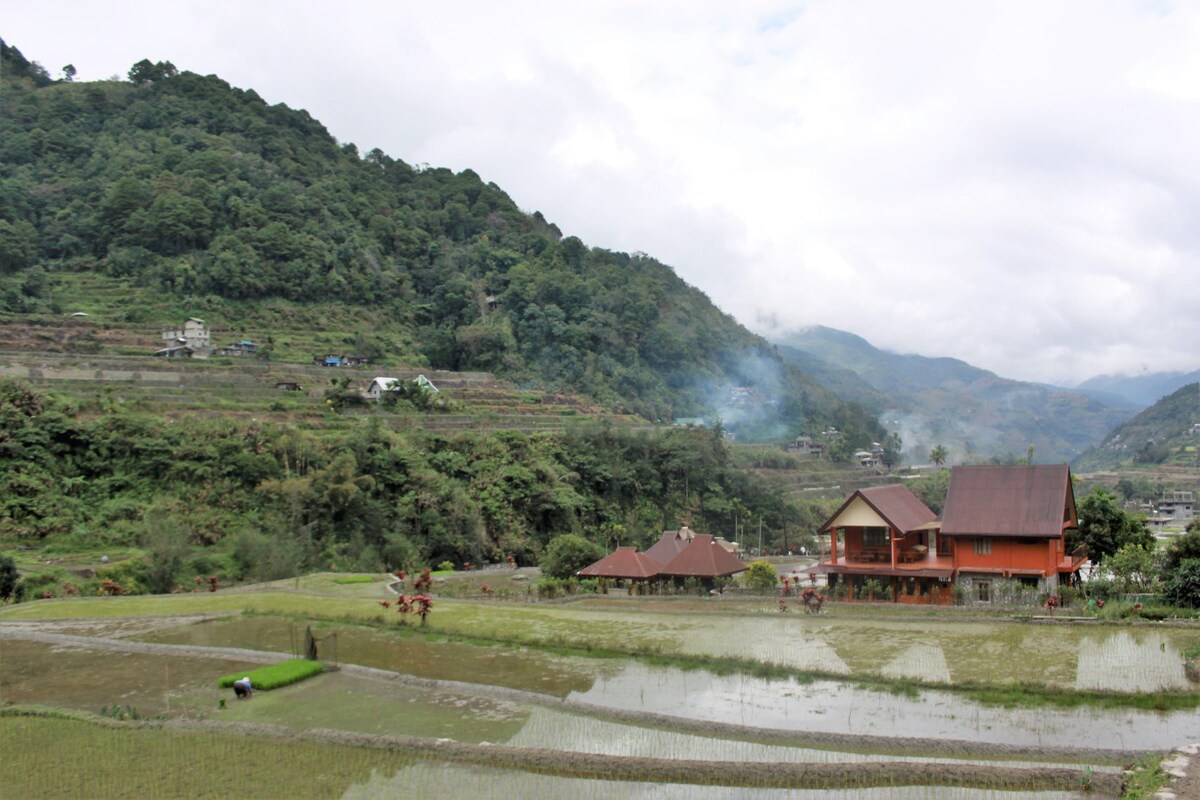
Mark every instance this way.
x=838 y=708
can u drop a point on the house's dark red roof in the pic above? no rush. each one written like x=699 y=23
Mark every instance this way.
x=669 y=546
x=703 y=558
x=899 y=507
x=1021 y=500
x=625 y=562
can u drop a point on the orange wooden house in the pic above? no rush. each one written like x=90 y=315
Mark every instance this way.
x=1000 y=522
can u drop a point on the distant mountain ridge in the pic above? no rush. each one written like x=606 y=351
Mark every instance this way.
x=974 y=413
x=1138 y=390
x=1165 y=433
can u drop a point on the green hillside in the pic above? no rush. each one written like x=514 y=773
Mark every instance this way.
x=1163 y=435
x=170 y=195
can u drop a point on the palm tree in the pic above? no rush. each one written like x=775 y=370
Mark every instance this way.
x=938 y=455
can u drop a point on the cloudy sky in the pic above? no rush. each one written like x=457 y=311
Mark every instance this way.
x=1009 y=183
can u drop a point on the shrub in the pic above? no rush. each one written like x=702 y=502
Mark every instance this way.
x=130 y=574
x=1182 y=587
x=567 y=554
x=446 y=566
x=9 y=579
x=761 y=576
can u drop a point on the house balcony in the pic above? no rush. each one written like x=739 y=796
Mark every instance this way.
x=908 y=563
x=1074 y=560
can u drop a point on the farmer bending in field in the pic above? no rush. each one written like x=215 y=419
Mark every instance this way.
x=242 y=688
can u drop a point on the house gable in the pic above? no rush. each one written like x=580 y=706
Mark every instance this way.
x=857 y=513
x=892 y=506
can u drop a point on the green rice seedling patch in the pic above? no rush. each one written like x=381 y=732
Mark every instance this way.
x=275 y=676
x=355 y=579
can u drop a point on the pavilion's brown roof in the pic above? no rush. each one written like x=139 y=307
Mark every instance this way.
x=670 y=544
x=1022 y=500
x=703 y=558
x=899 y=507
x=624 y=562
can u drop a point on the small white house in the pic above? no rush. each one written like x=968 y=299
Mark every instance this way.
x=381 y=385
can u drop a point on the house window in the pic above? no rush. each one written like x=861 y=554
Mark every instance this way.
x=983 y=547
x=875 y=537
x=983 y=591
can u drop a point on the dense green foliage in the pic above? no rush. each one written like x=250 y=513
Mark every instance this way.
x=180 y=182
x=567 y=554
x=9 y=580
x=1182 y=586
x=258 y=500
x=1105 y=527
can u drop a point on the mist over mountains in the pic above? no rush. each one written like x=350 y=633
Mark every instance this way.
x=974 y=413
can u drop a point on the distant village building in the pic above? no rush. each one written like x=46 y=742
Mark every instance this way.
x=805 y=445
x=175 y=351
x=243 y=348
x=1177 y=505
x=193 y=335
x=381 y=386
x=332 y=360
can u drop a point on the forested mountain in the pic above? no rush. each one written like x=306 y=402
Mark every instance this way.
x=181 y=184
x=1165 y=433
x=974 y=413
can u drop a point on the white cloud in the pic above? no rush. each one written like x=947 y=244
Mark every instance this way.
x=1011 y=183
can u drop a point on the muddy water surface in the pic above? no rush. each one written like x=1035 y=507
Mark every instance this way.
x=77 y=676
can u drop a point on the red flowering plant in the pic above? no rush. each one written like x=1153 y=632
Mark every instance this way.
x=813 y=601
x=403 y=606
x=424 y=604
x=1052 y=602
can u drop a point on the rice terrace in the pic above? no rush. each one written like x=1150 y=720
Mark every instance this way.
x=606 y=696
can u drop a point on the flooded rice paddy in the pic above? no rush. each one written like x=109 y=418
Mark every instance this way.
x=1124 y=659
x=609 y=706
x=826 y=706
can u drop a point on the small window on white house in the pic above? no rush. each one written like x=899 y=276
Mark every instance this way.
x=983 y=547
x=983 y=591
